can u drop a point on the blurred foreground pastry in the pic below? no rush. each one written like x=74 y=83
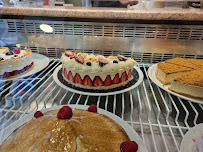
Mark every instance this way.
x=80 y=131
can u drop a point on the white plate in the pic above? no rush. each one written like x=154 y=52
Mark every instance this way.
x=151 y=73
x=40 y=62
x=187 y=144
x=138 y=78
x=128 y=129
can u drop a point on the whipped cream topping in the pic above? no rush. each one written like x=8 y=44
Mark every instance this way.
x=7 y=57
x=21 y=61
x=95 y=69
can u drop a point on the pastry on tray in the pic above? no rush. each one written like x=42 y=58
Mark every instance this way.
x=71 y=131
x=96 y=71
x=15 y=62
x=185 y=76
x=167 y=72
x=190 y=84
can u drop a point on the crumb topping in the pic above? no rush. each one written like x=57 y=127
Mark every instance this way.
x=194 y=77
x=171 y=68
x=182 y=62
x=197 y=62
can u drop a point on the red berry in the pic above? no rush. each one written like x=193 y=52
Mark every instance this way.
x=38 y=114
x=123 y=77
x=97 y=81
x=69 y=53
x=79 y=59
x=16 y=51
x=116 y=79
x=128 y=146
x=70 y=76
x=27 y=67
x=107 y=81
x=87 y=81
x=65 y=113
x=103 y=62
x=92 y=108
x=77 y=79
x=65 y=73
x=129 y=74
x=6 y=74
x=76 y=53
x=121 y=58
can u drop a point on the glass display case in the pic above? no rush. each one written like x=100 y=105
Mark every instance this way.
x=148 y=31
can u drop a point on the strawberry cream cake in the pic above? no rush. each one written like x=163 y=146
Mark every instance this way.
x=14 y=62
x=96 y=71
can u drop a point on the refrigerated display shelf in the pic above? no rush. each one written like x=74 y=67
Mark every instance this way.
x=160 y=118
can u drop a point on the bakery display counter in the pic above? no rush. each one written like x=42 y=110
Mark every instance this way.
x=159 y=116
x=107 y=13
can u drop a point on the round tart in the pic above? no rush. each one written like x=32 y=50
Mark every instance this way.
x=67 y=130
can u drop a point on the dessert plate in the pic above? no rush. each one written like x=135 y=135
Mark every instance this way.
x=128 y=129
x=40 y=62
x=137 y=79
x=151 y=73
x=188 y=143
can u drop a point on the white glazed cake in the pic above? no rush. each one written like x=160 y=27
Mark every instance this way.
x=14 y=62
x=96 y=71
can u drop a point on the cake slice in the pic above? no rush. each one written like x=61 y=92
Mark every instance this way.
x=167 y=72
x=190 y=84
x=182 y=62
x=198 y=63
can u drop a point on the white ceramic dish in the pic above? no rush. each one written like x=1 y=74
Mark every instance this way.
x=40 y=62
x=138 y=78
x=128 y=129
x=187 y=144
x=151 y=73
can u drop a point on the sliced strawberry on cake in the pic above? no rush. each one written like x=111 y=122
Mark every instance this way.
x=70 y=77
x=123 y=77
x=69 y=53
x=97 y=81
x=121 y=58
x=107 y=81
x=77 y=79
x=87 y=81
x=116 y=79
x=79 y=59
x=65 y=73
x=129 y=74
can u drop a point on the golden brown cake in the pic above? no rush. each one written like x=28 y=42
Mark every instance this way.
x=182 y=62
x=198 y=63
x=84 y=132
x=184 y=75
x=167 y=72
x=15 y=62
x=190 y=84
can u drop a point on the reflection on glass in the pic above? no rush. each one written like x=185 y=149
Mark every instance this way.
x=46 y=28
